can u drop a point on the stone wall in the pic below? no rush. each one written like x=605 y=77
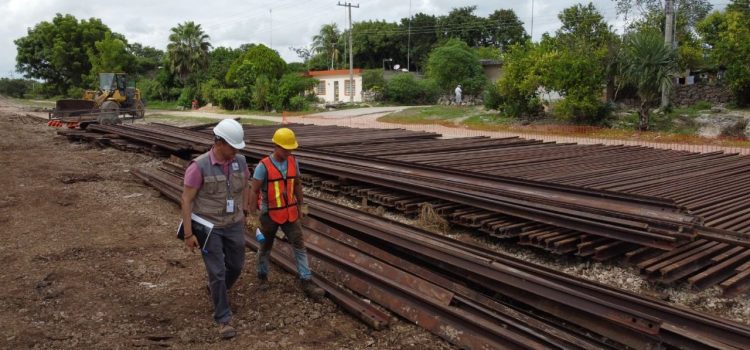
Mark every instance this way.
x=466 y=100
x=686 y=95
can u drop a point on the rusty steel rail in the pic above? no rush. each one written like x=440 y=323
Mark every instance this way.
x=424 y=295
x=637 y=220
x=695 y=329
x=503 y=226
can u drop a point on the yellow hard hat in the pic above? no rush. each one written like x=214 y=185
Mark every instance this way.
x=284 y=138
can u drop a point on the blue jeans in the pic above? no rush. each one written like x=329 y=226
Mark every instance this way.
x=224 y=262
x=293 y=232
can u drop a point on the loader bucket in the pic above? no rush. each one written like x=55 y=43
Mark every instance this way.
x=69 y=108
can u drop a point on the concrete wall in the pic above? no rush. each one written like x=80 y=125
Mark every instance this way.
x=330 y=84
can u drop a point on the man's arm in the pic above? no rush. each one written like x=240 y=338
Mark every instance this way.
x=252 y=199
x=188 y=195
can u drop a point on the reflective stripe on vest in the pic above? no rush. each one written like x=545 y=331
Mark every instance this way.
x=282 y=204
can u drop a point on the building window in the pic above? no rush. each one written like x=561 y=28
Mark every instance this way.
x=321 y=87
x=349 y=85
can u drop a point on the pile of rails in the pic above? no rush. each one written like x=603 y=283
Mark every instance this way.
x=478 y=183
x=472 y=297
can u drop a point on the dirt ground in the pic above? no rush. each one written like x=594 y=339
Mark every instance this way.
x=89 y=261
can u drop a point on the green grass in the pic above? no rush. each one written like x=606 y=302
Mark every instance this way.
x=248 y=112
x=679 y=120
x=32 y=102
x=166 y=105
x=170 y=119
x=486 y=119
x=429 y=115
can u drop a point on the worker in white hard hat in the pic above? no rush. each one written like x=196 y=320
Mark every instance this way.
x=276 y=178
x=215 y=189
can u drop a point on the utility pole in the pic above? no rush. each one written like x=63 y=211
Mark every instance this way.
x=532 y=21
x=669 y=41
x=351 y=53
x=408 y=42
x=270 y=13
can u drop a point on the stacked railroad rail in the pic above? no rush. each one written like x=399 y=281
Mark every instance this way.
x=476 y=298
x=605 y=217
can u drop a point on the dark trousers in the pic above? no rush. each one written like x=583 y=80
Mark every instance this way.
x=293 y=232
x=224 y=262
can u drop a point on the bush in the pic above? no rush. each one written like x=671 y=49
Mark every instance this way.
x=289 y=86
x=455 y=63
x=372 y=79
x=297 y=103
x=15 y=87
x=429 y=91
x=405 y=89
x=75 y=92
x=582 y=110
x=492 y=97
x=187 y=95
x=231 y=99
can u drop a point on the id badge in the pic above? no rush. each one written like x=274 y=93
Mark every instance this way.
x=230 y=205
x=235 y=166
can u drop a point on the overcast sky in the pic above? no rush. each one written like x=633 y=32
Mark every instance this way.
x=279 y=24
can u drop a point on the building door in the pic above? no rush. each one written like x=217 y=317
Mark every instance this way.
x=336 y=91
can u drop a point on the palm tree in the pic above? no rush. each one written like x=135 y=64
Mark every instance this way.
x=326 y=42
x=188 y=50
x=648 y=64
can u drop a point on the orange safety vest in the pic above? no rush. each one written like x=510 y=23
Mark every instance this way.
x=282 y=204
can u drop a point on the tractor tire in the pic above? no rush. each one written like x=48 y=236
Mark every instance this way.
x=110 y=113
x=140 y=109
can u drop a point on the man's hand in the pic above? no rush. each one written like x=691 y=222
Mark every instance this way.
x=191 y=243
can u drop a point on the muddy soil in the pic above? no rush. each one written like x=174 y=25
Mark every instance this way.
x=89 y=261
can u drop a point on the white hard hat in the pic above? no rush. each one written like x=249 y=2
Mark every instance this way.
x=231 y=131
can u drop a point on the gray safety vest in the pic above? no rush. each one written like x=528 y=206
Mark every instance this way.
x=211 y=200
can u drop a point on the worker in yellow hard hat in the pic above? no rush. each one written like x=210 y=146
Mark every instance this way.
x=276 y=179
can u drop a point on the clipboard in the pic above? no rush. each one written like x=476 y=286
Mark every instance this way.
x=202 y=229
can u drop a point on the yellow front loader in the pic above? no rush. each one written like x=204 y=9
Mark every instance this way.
x=105 y=106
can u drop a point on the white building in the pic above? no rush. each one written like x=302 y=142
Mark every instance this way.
x=334 y=85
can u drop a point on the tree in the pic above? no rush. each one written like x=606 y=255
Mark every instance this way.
x=728 y=35
x=220 y=59
x=648 y=64
x=423 y=39
x=693 y=11
x=578 y=64
x=147 y=59
x=257 y=61
x=651 y=17
x=455 y=63
x=521 y=79
x=374 y=41
x=463 y=24
x=583 y=26
x=57 y=51
x=110 y=56
x=188 y=51
x=505 y=29
x=15 y=87
x=291 y=85
x=326 y=43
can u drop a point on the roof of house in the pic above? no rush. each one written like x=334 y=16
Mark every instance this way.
x=316 y=73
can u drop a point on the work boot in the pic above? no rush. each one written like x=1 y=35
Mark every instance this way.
x=312 y=290
x=226 y=331
x=263 y=283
